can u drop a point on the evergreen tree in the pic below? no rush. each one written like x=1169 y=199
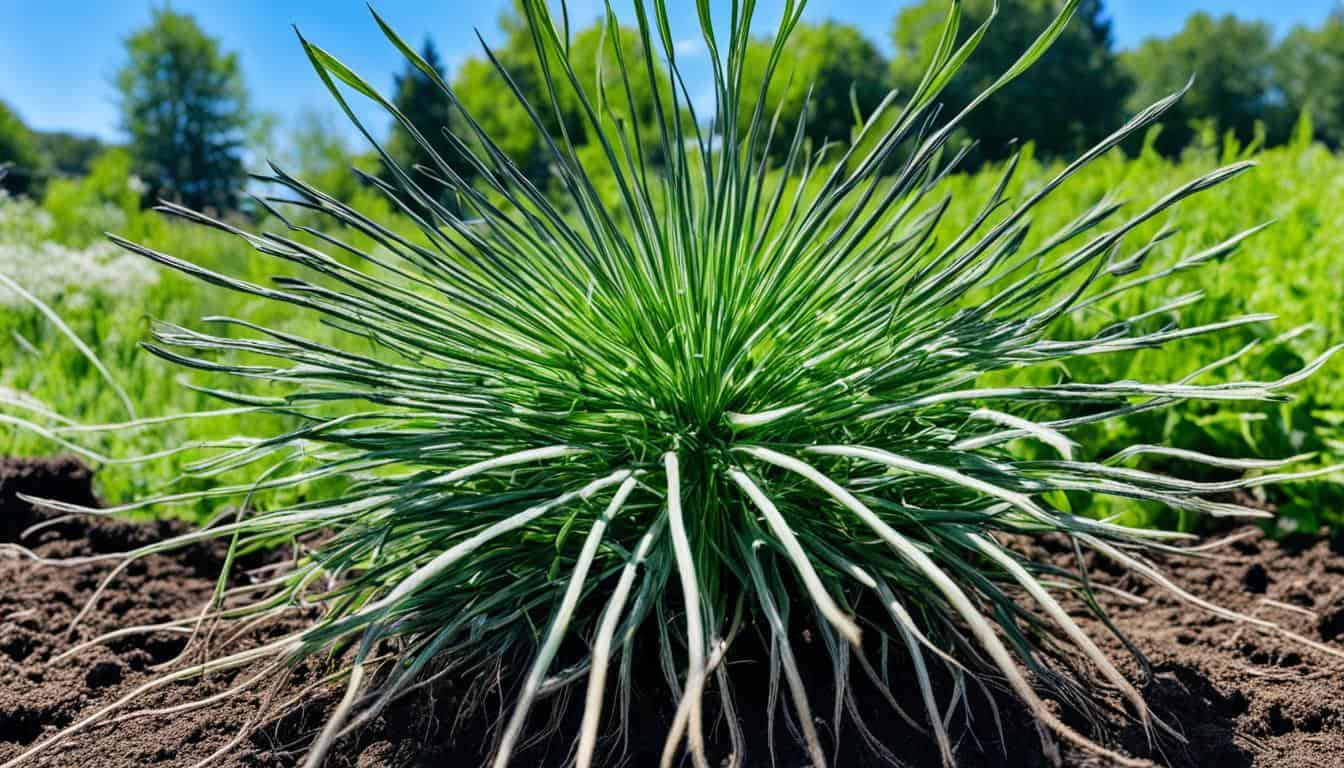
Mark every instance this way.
x=432 y=113
x=184 y=110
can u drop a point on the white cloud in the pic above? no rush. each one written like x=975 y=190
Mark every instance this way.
x=689 y=46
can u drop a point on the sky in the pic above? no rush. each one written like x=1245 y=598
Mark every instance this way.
x=58 y=57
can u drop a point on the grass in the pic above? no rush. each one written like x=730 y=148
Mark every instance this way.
x=727 y=391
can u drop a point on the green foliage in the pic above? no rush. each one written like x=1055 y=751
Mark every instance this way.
x=1290 y=272
x=1310 y=69
x=105 y=199
x=500 y=97
x=843 y=70
x=68 y=154
x=20 y=163
x=320 y=155
x=184 y=109
x=1232 y=63
x=1080 y=71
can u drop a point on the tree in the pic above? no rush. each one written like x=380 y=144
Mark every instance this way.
x=843 y=69
x=487 y=96
x=184 y=110
x=1310 y=73
x=20 y=163
x=1072 y=97
x=68 y=154
x=319 y=154
x=431 y=111
x=1233 y=69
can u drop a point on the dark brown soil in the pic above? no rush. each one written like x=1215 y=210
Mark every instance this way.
x=1241 y=697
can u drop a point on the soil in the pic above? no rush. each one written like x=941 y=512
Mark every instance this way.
x=1241 y=697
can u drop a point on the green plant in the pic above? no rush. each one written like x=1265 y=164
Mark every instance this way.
x=738 y=393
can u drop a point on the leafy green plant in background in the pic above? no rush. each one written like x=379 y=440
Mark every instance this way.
x=1293 y=272
x=731 y=394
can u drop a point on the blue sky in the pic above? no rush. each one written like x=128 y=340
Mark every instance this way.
x=57 y=57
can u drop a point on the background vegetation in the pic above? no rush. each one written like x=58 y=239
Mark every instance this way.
x=191 y=135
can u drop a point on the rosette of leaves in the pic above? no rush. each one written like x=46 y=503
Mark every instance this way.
x=687 y=386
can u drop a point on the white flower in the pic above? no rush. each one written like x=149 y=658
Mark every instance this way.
x=56 y=273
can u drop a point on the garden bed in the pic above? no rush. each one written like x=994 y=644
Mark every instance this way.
x=1242 y=698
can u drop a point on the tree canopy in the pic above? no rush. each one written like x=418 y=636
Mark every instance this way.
x=1072 y=97
x=1310 y=64
x=68 y=154
x=842 y=69
x=19 y=160
x=184 y=109
x=1232 y=63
